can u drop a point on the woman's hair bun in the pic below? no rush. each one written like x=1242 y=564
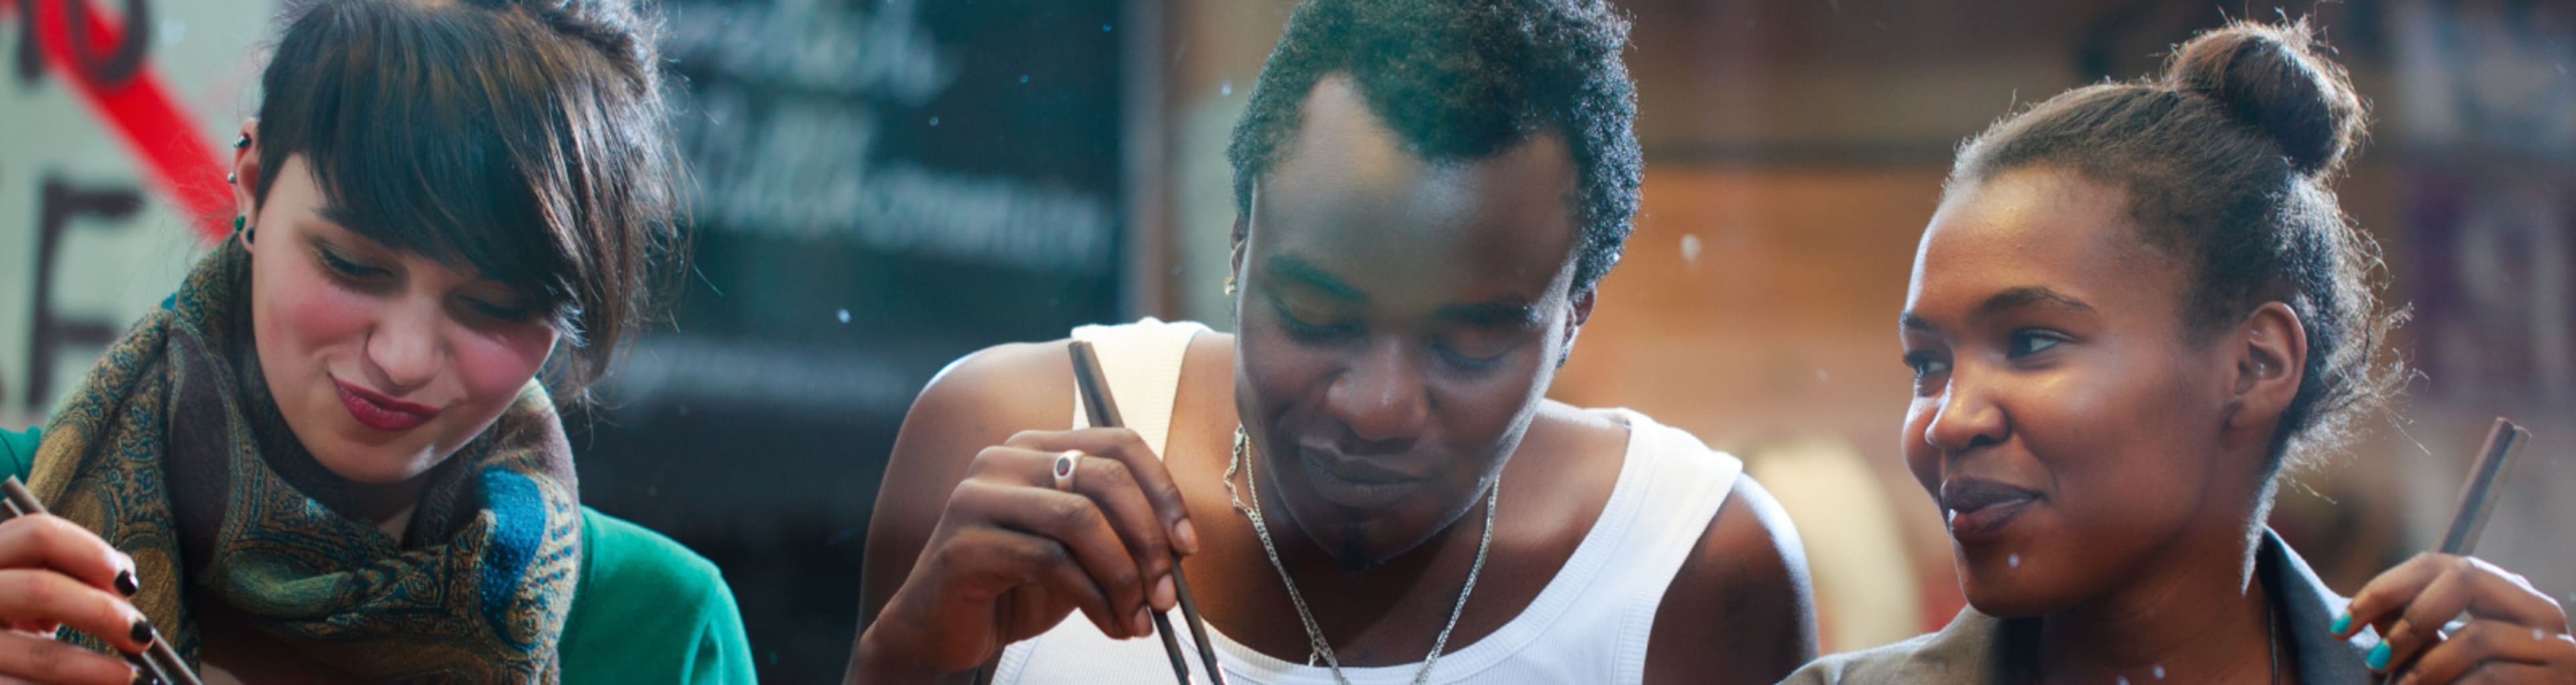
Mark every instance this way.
x=2271 y=76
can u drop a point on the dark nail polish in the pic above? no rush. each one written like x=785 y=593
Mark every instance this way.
x=146 y=679
x=126 y=584
x=143 y=632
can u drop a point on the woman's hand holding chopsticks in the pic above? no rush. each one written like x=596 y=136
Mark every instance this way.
x=2515 y=634
x=1047 y=523
x=54 y=573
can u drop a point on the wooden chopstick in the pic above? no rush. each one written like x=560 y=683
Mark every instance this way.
x=2477 y=496
x=160 y=659
x=1103 y=412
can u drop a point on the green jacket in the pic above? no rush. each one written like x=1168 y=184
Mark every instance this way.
x=647 y=610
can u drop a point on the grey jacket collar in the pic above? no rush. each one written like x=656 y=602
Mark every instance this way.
x=1976 y=649
x=2311 y=607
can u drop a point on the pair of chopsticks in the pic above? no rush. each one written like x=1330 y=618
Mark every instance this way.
x=1103 y=412
x=2477 y=497
x=160 y=661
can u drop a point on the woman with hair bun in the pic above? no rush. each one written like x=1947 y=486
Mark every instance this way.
x=329 y=456
x=2137 y=303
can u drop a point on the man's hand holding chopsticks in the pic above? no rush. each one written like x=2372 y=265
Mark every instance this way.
x=1047 y=523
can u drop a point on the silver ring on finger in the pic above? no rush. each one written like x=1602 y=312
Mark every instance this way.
x=1066 y=463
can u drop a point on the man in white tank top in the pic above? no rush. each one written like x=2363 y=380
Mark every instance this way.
x=1364 y=482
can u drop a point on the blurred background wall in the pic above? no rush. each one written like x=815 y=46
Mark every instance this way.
x=884 y=185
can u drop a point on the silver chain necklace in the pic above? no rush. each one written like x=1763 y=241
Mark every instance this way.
x=1315 y=645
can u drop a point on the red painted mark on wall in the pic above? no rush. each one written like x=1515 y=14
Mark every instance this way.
x=160 y=132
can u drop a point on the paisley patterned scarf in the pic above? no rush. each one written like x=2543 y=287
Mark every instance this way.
x=173 y=452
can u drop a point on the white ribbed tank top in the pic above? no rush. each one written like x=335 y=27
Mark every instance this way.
x=1589 y=625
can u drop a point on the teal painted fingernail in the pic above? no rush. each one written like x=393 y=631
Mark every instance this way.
x=2378 y=658
x=2342 y=623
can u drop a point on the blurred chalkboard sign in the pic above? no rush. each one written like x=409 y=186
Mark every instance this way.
x=882 y=187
